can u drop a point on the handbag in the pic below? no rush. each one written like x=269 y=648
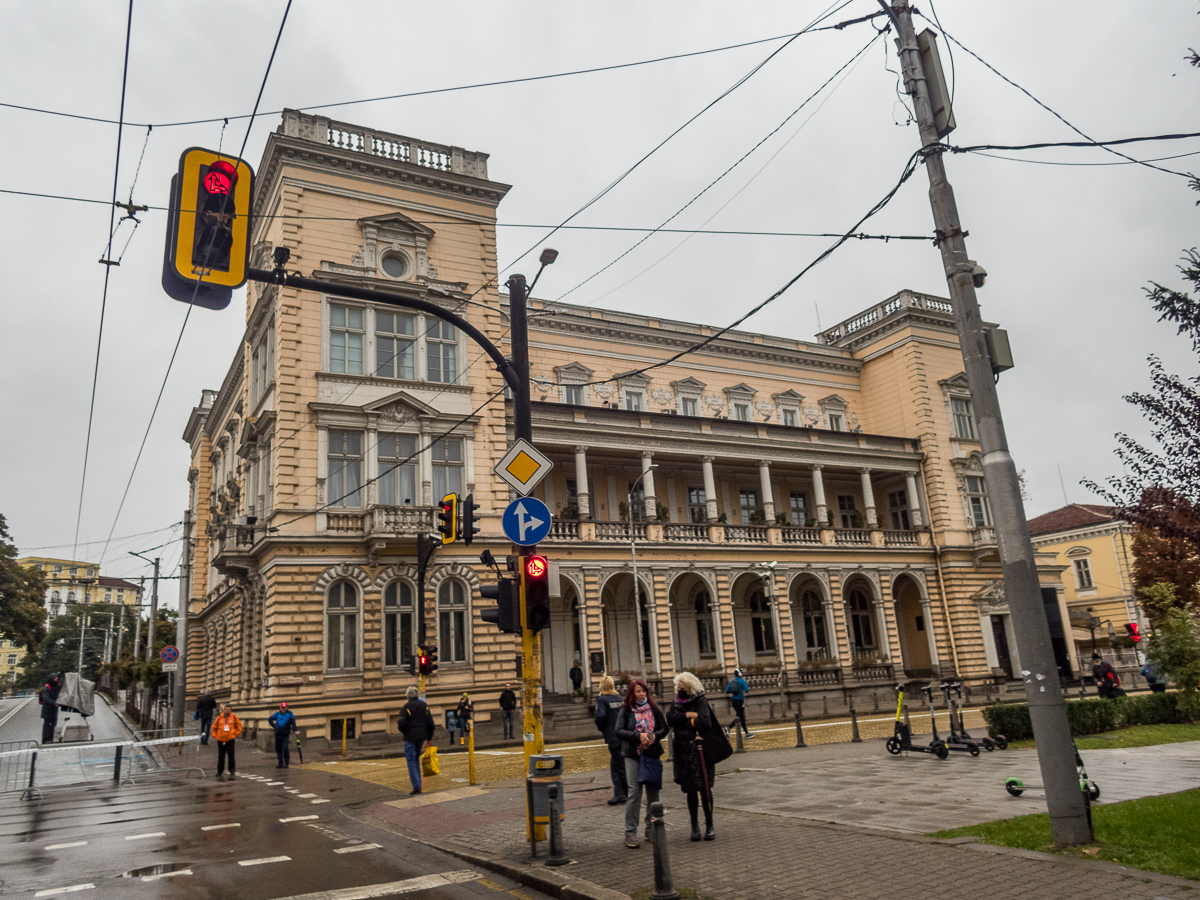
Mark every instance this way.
x=650 y=772
x=429 y=762
x=716 y=746
x=196 y=715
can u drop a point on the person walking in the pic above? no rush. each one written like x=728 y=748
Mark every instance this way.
x=508 y=703
x=226 y=728
x=47 y=698
x=641 y=726
x=206 y=708
x=694 y=760
x=463 y=714
x=1107 y=682
x=576 y=676
x=608 y=710
x=416 y=724
x=284 y=723
x=737 y=689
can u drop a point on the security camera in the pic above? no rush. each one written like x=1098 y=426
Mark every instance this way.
x=978 y=273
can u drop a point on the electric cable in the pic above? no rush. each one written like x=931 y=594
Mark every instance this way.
x=90 y=543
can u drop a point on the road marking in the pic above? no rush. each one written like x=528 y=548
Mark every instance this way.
x=356 y=848
x=306 y=796
x=166 y=875
x=437 y=797
x=65 y=846
x=216 y=827
x=17 y=709
x=273 y=783
x=66 y=890
x=320 y=801
x=412 y=885
x=148 y=834
x=265 y=859
x=299 y=818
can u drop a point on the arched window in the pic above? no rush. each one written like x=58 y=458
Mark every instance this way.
x=862 y=635
x=341 y=626
x=761 y=623
x=452 y=622
x=705 y=638
x=399 y=623
x=644 y=601
x=70 y=597
x=814 y=624
x=55 y=597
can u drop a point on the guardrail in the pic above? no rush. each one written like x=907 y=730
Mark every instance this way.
x=16 y=770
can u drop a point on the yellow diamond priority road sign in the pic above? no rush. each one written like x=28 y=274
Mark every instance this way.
x=523 y=467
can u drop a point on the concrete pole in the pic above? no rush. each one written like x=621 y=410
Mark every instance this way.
x=1056 y=757
x=179 y=693
x=151 y=630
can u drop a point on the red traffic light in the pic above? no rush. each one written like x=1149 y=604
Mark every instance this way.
x=535 y=567
x=1133 y=632
x=221 y=177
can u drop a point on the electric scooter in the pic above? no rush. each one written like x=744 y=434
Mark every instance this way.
x=987 y=742
x=901 y=740
x=950 y=743
x=1016 y=787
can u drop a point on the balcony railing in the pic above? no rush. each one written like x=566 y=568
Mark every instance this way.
x=619 y=531
x=673 y=531
x=900 y=539
x=344 y=523
x=398 y=520
x=873 y=673
x=826 y=675
x=853 y=536
x=983 y=537
x=564 y=529
x=795 y=535
x=746 y=534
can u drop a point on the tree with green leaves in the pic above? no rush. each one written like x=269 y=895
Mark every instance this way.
x=1175 y=644
x=22 y=596
x=59 y=650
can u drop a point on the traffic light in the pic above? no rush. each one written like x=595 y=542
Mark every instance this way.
x=1134 y=633
x=423 y=661
x=535 y=573
x=431 y=654
x=505 y=615
x=470 y=527
x=410 y=664
x=208 y=228
x=448 y=519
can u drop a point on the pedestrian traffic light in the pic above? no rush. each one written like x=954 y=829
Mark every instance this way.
x=470 y=527
x=448 y=519
x=505 y=614
x=535 y=581
x=1134 y=633
x=431 y=654
x=208 y=228
x=423 y=661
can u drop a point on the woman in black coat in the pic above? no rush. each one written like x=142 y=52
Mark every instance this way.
x=693 y=719
x=641 y=726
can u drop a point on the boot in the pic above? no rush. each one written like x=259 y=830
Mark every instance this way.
x=709 y=833
x=695 y=828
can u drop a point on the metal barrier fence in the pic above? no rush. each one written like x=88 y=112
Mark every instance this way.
x=126 y=756
x=16 y=770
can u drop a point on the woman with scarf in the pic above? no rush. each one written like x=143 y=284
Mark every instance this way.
x=641 y=727
x=693 y=721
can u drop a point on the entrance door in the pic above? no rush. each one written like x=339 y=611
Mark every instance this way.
x=1000 y=637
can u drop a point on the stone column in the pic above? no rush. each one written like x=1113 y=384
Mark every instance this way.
x=583 y=498
x=819 y=498
x=885 y=647
x=764 y=480
x=648 y=487
x=914 y=501
x=927 y=612
x=710 y=490
x=833 y=632
x=868 y=498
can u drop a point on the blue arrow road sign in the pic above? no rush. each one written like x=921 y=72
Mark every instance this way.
x=526 y=521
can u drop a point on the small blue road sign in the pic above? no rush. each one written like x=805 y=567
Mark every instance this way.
x=169 y=654
x=526 y=521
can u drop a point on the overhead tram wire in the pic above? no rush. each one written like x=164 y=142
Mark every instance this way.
x=123 y=537
x=191 y=305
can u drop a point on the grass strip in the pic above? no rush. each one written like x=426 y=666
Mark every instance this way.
x=1133 y=736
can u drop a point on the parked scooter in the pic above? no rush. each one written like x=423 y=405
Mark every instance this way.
x=959 y=746
x=901 y=740
x=958 y=730
x=1016 y=787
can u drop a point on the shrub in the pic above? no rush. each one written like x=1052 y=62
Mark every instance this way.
x=1089 y=715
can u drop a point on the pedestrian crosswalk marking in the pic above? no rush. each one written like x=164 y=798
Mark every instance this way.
x=148 y=834
x=320 y=801
x=65 y=846
x=299 y=818
x=273 y=783
x=65 y=890
x=306 y=796
x=356 y=848
x=265 y=859
x=409 y=886
x=217 y=827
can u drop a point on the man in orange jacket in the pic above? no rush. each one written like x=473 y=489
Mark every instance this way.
x=225 y=728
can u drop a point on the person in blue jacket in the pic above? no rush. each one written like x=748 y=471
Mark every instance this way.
x=737 y=689
x=284 y=723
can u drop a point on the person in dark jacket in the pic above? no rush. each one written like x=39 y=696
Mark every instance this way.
x=416 y=724
x=48 y=697
x=206 y=708
x=508 y=703
x=1107 y=682
x=692 y=718
x=576 y=676
x=284 y=723
x=641 y=726
x=463 y=714
x=608 y=709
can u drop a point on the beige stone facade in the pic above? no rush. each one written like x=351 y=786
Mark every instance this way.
x=812 y=512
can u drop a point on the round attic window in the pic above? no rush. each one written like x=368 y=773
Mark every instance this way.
x=394 y=265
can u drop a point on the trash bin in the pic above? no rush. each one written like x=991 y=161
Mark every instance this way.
x=545 y=769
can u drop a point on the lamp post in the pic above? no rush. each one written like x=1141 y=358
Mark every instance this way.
x=637 y=588
x=767 y=574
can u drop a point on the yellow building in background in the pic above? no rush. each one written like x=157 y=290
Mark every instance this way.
x=11 y=657
x=71 y=581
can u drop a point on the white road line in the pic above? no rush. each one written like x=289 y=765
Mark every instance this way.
x=16 y=709
x=273 y=783
x=320 y=801
x=306 y=796
x=65 y=846
x=356 y=848
x=217 y=827
x=412 y=885
x=148 y=834
x=299 y=818
x=166 y=875
x=66 y=890
x=293 y=790
x=265 y=859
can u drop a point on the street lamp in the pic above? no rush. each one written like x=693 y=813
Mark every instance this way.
x=767 y=573
x=637 y=591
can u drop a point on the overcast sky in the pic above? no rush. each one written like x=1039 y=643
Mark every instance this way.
x=1068 y=248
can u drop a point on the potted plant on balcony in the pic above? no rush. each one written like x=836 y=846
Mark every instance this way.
x=570 y=511
x=781 y=518
x=663 y=513
x=758 y=517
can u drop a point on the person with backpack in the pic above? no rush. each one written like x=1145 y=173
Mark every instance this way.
x=508 y=704
x=48 y=700
x=1156 y=684
x=737 y=689
x=206 y=708
x=608 y=710
x=416 y=724
x=284 y=723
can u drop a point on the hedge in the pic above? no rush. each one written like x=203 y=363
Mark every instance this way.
x=1090 y=715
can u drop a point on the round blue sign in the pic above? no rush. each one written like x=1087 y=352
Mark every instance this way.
x=169 y=654
x=526 y=521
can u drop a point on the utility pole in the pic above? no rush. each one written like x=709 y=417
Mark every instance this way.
x=1068 y=816
x=179 y=692
x=151 y=631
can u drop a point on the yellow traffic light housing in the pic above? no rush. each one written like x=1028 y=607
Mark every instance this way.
x=447 y=519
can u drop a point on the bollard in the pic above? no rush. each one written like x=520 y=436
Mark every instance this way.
x=471 y=756
x=875 y=697
x=117 y=764
x=855 y=739
x=664 y=889
x=771 y=710
x=741 y=748
x=558 y=856
x=799 y=733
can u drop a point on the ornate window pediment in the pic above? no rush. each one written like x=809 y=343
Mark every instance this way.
x=399 y=408
x=395 y=247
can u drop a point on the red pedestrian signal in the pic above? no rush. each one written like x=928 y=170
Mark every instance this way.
x=535 y=592
x=221 y=177
x=1133 y=631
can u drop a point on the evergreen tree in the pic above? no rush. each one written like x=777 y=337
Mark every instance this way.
x=22 y=596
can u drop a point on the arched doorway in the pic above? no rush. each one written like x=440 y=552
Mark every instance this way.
x=861 y=625
x=753 y=622
x=814 y=632
x=562 y=642
x=620 y=631
x=694 y=627
x=914 y=628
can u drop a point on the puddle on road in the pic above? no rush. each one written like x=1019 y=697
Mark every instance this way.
x=160 y=869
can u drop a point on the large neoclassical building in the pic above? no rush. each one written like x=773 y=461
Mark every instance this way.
x=813 y=512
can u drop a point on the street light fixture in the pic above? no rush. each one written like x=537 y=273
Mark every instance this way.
x=637 y=590
x=767 y=573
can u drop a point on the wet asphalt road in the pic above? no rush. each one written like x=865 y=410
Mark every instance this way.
x=265 y=835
